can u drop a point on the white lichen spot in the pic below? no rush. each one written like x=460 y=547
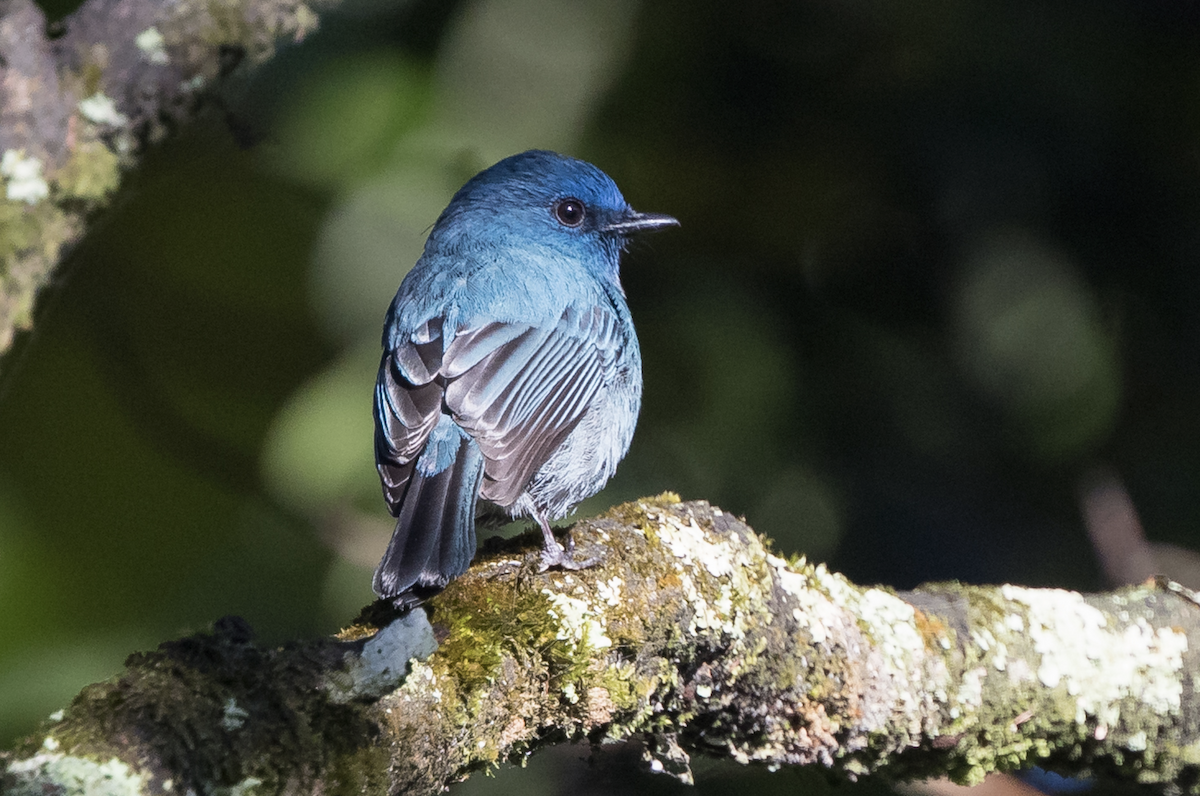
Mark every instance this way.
x=570 y=694
x=1099 y=663
x=983 y=638
x=893 y=624
x=246 y=787
x=703 y=691
x=49 y=743
x=57 y=715
x=576 y=624
x=23 y=177
x=305 y=21
x=704 y=615
x=234 y=716
x=814 y=611
x=826 y=597
x=56 y=772
x=736 y=566
x=970 y=690
x=790 y=581
x=610 y=591
x=194 y=84
x=1049 y=673
x=500 y=566
x=724 y=601
x=835 y=612
x=1137 y=742
x=100 y=109
x=1019 y=672
x=1000 y=658
x=420 y=678
x=1015 y=623
x=153 y=45
x=688 y=542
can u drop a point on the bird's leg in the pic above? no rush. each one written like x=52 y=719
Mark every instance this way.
x=553 y=554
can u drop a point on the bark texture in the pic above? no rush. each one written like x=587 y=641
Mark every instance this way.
x=690 y=635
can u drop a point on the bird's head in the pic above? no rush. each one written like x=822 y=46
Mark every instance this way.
x=544 y=198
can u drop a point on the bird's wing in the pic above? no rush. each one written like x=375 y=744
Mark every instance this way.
x=408 y=400
x=519 y=390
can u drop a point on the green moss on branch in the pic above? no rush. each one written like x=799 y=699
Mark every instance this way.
x=690 y=634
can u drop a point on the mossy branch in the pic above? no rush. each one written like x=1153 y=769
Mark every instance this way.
x=79 y=107
x=690 y=635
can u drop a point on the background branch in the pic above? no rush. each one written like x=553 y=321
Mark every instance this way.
x=78 y=107
x=691 y=635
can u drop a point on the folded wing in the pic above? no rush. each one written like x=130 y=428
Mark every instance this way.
x=518 y=390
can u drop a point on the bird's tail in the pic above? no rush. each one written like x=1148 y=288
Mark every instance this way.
x=434 y=540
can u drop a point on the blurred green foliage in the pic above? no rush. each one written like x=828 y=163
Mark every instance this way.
x=938 y=261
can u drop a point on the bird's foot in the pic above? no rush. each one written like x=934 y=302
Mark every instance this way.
x=558 y=558
x=554 y=556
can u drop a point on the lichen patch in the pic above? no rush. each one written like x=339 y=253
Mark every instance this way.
x=23 y=177
x=1097 y=661
x=59 y=773
x=578 y=624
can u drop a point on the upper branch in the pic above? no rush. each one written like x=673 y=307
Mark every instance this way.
x=690 y=634
x=78 y=106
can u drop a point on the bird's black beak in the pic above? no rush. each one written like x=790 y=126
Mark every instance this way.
x=628 y=223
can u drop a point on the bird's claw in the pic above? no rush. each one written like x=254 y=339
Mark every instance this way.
x=558 y=558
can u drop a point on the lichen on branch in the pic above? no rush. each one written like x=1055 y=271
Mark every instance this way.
x=79 y=109
x=691 y=635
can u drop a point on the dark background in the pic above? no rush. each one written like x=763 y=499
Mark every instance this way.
x=938 y=264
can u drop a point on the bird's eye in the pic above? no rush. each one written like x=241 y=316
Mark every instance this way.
x=570 y=212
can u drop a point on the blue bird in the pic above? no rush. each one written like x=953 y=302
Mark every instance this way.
x=511 y=370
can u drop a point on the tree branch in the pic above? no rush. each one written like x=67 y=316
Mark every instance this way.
x=77 y=109
x=691 y=635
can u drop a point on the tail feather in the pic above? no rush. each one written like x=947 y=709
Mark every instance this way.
x=434 y=540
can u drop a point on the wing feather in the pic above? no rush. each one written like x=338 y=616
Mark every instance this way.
x=517 y=389
x=523 y=399
x=472 y=391
x=472 y=345
x=420 y=357
x=407 y=404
